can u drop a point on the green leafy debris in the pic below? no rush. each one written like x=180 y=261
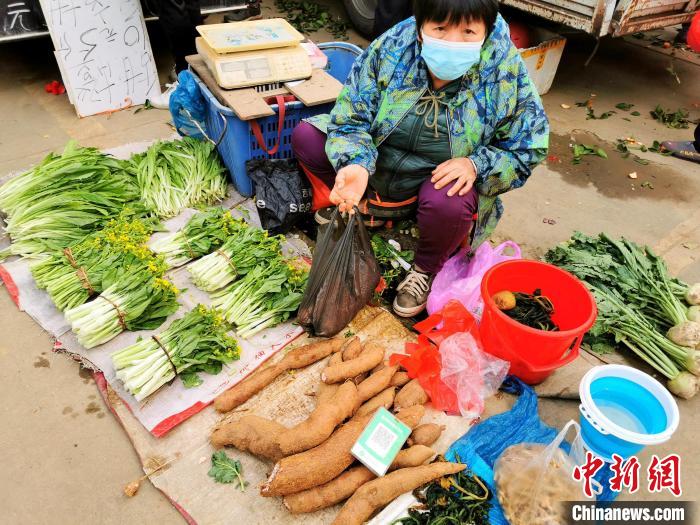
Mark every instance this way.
x=624 y=106
x=581 y=150
x=226 y=470
x=671 y=119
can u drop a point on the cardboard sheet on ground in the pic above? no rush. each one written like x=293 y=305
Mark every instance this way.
x=173 y=403
x=288 y=400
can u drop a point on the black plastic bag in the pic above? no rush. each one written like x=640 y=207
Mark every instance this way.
x=344 y=275
x=282 y=195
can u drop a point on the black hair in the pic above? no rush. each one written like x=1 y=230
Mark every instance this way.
x=455 y=11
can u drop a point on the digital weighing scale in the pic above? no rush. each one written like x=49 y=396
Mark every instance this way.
x=243 y=54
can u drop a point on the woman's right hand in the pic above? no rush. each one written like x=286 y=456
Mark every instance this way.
x=350 y=186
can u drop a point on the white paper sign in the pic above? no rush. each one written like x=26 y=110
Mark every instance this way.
x=103 y=51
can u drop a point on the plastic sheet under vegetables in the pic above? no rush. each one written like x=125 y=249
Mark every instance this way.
x=534 y=480
x=470 y=372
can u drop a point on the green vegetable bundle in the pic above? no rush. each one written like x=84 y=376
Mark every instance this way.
x=387 y=257
x=203 y=233
x=64 y=198
x=638 y=302
x=74 y=274
x=134 y=298
x=268 y=295
x=179 y=174
x=196 y=343
x=245 y=249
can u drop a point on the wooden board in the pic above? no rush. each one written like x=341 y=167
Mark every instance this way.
x=320 y=88
x=246 y=103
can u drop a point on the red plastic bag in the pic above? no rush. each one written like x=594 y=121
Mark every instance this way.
x=423 y=360
x=472 y=374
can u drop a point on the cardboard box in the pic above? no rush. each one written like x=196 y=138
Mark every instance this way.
x=543 y=59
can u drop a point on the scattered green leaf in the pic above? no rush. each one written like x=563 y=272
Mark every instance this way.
x=635 y=113
x=349 y=333
x=671 y=119
x=581 y=150
x=624 y=106
x=590 y=114
x=226 y=470
x=647 y=184
x=656 y=148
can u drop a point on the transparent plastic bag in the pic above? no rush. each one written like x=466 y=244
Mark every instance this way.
x=460 y=277
x=470 y=372
x=534 y=480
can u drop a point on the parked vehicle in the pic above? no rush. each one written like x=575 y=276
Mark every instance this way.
x=596 y=17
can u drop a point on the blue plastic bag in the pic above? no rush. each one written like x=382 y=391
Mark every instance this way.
x=188 y=108
x=485 y=442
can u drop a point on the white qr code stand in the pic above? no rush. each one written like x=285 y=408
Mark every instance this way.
x=380 y=442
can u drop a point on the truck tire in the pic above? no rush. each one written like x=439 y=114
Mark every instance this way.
x=361 y=14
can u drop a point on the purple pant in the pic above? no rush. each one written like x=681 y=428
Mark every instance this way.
x=444 y=222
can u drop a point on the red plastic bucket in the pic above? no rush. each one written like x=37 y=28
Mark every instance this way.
x=535 y=354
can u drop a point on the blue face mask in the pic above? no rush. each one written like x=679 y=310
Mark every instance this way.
x=449 y=60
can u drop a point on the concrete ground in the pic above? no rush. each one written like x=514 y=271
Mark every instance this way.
x=67 y=459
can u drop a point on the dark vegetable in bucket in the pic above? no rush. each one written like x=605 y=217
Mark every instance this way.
x=534 y=310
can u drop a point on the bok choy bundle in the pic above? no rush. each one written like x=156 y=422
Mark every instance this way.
x=177 y=174
x=198 y=342
x=268 y=295
x=74 y=274
x=64 y=198
x=202 y=234
x=135 y=297
x=245 y=249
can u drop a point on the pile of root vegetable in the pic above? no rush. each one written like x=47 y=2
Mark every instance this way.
x=314 y=468
x=640 y=306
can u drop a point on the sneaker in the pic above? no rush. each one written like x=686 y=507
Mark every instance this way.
x=162 y=101
x=251 y=12
x=682 y=149
x=412 y=293
x=323 y=217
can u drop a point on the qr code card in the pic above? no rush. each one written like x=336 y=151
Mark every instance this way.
x=380 y=442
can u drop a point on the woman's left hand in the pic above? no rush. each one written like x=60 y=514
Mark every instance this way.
x=460 y=170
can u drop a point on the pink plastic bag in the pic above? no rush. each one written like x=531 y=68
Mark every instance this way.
x=460 y=278
x=470 y=372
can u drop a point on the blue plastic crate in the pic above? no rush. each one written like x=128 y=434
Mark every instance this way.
x=239 y=145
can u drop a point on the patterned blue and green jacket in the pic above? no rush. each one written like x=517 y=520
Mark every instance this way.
x=496 y=118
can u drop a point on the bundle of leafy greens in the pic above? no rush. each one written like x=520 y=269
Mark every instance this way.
x=202 y=234
x=638 y=302
x=245 y=248
x=458 y=499
x=74 y=274
x=64 y=198
x=198 y=342
x=135 y=297
x=388 y=258
x=178 y=174
x=268 y=295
